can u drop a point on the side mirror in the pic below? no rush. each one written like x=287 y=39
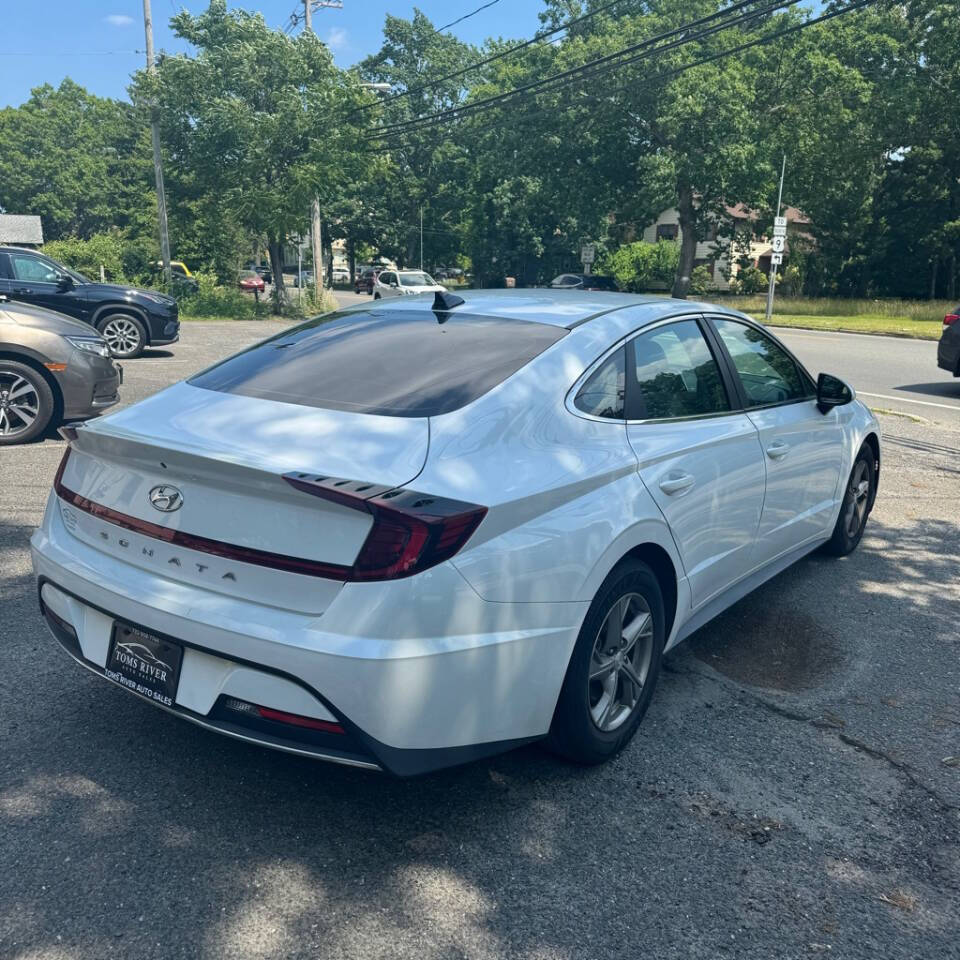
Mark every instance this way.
x=394 y=284
x=64 y=282
x=832 y=392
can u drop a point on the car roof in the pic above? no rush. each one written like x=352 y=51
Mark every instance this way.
x=568 y=308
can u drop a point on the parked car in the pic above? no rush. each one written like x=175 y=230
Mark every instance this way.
x=948 y=351
x=250 y=282
x=128 y=318
x=52 y=369
x=365 y=280
x=307 y=279
x=261 y=270
x=180 y=276
x=584 y=281
x=399 y=283
x=339 y=275
x=424 y=531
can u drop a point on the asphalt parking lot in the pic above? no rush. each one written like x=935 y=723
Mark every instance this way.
x=793 y=792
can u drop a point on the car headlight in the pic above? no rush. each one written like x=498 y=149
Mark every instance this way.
x=91 y=345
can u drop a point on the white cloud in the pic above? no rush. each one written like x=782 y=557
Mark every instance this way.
x=118 y=20
x=337 y=38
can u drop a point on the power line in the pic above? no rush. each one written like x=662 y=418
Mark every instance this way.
x=602 y=64
x=443 y=116
x=536 y=38
x=466 y=16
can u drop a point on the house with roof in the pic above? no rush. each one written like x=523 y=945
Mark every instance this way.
x=747 y=224
x=20 y=230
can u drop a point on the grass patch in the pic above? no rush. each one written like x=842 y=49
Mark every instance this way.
x=886 y=326
x=919 y=320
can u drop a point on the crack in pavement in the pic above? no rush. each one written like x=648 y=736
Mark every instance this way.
x=821 y=723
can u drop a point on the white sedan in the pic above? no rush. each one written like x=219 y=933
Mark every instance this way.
x=400 y=283
x=415 y=533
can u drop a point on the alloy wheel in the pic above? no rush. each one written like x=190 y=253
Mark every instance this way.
x=620 y=662
x=856 y=513
x=19 y=404
x=122 y=336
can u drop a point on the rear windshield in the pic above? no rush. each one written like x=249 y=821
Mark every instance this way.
x=399 y=363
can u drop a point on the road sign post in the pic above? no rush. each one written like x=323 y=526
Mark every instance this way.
x=588 y=254
x=779 y=232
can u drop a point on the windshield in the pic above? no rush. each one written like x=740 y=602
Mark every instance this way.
x=416 y=280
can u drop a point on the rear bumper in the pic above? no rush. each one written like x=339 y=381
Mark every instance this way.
x=481 y=678
x=948 y=352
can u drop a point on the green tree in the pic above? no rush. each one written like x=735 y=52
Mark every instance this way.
x=257 y=122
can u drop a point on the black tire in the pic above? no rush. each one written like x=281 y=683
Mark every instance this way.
x=575 y=732
x=124 y=333
x=376 y=296
x=36 y=401
x=856 y=506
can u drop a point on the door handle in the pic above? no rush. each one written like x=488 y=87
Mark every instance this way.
x=778 y=450
x=677 y=483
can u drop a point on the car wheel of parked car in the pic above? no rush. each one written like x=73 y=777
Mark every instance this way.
x=857 y=501
x=614 y=667
x=26 y=402
x=124 y=335
x=376 y=296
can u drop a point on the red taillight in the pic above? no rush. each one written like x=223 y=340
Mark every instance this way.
x=411 y=531
x=950 y=319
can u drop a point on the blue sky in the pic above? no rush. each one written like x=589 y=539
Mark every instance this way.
x=95 y=42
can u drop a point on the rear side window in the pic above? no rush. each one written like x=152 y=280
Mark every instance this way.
x=400 y=363
x=603 y=394
x=675 y=374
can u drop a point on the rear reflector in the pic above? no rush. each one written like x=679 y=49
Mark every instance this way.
x=281 y=716
x=411 y=531
x=950 y=319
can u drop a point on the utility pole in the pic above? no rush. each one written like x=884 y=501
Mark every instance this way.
x=157 y=158
x=421 y=238
x=773 y=266
x=316 y=239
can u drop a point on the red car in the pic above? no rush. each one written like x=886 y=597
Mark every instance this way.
x=250 y=282
x=366 y=280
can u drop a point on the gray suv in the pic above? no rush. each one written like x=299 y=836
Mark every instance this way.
x=52 y=369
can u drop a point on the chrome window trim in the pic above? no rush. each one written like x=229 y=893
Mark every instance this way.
x=620 y=344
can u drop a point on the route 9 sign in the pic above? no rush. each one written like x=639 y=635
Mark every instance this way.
x=779 y=244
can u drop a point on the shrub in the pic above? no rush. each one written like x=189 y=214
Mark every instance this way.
x=750 y=280
x=643 y=266
x=701 y=280
x=87 y=256
x=213 y=299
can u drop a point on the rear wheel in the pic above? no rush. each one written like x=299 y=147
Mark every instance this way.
x=26 y=402
x=857 y=502
x=124 y=334
x=614 y=667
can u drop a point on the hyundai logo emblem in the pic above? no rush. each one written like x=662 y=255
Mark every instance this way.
x=166 y=498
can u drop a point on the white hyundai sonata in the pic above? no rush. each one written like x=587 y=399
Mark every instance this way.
x=409 y=534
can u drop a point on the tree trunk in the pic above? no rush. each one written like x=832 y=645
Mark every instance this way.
x=933 y=278
x=351 y=258
x=276 y=266
x=688 y=242
x=952 y=278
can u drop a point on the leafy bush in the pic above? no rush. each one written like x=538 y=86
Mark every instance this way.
x=87 y=256
x=749 y=280
x=701 y=280
x=213 y=299
x=643 y=266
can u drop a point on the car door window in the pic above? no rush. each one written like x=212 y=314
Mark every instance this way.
x=767 y=372
x=603 y=394
x=674 y=374
x=33 y=269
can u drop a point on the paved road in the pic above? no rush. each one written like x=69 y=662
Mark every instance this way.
x=887 y=372
x=787 y=795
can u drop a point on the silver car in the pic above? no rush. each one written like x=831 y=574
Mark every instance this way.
x=52 y=369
